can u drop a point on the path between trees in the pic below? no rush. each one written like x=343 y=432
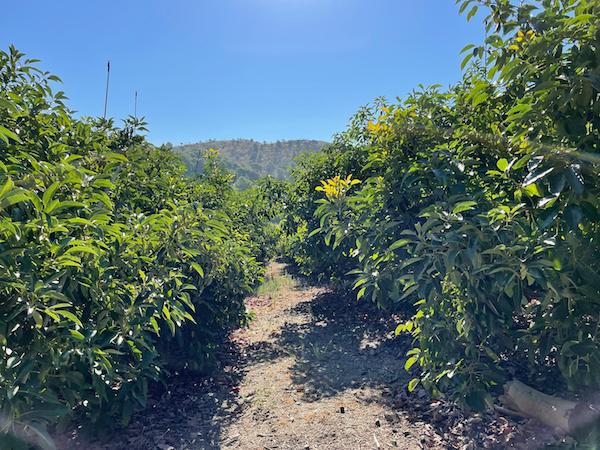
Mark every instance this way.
x=313 y=371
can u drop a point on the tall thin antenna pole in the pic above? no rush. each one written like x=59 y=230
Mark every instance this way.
x=485 y=51
x=106 y=93
x=135 y=106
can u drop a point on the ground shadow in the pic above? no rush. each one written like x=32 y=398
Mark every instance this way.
x=337 y=344
x=188 y=411
x=346 y=344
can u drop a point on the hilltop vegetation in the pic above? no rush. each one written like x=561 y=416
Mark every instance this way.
x=249 y=160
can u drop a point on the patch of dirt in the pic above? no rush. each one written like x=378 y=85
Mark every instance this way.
x=313 y=371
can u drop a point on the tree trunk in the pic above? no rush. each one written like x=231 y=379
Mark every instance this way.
x=565 y=415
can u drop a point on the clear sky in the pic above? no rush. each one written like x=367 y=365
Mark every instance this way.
x=262 y=69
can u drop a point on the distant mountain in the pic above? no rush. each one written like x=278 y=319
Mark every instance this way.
x=249 y=159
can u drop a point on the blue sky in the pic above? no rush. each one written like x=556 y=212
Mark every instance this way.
x=262 y=69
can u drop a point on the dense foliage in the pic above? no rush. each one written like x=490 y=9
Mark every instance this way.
x=114 y=267
x=479 y=205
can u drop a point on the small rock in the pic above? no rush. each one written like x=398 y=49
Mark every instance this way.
x=342 y=409
x=390 y=417
x=378 y=423
x=165 y=447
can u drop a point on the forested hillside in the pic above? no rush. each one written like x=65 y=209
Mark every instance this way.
x=248 y=159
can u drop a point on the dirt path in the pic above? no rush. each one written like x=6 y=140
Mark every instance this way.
x=317 y=376
x=313 y=371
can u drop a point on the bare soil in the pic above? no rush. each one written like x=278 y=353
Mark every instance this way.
x=315 y=370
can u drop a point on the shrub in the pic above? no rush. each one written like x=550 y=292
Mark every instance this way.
x=480 y=206
x=114 y=267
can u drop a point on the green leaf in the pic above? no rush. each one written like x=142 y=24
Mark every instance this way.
x=5 y=133
x=471 y=13
x=502 y=164
x=15 y=196
x=361 y=293
x=573 y=216
x=49 y=193
x=57 y=207
x=521 y=162
x=467 y=47
x=77 y=335
x=465 y=4
x=410 y=362
x=399 y=244
x=532 y=190
x=83 y=249
x=126 y=413
x=103 y=183
x=466 y=60
x=115 y=157
x=360 y=282
x=464 y=206
x=6 y=187
x=412 y=384
x=314 y=232
x=38 y=319
x=198 y=269
x=69 y=315
x=154 y=324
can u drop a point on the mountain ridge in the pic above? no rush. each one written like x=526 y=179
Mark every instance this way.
x=249 y=159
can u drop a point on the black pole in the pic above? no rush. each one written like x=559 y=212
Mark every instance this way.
x=106 y=93
x=135 y=106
